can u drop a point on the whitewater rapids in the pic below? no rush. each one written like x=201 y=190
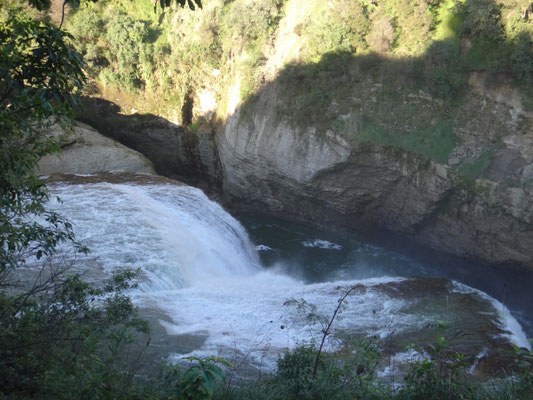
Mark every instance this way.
x=200 y=269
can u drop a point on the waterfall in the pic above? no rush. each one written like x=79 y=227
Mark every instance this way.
x=201 y=273
x=174 y=234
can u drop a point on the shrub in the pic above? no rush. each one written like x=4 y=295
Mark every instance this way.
x=481 y=18
x=340 y=28
x=443 y=70
x=87 y=24
x=443 y=376
x=124 y=36
x=63 y=338
x=522 y=59
x=413 y=20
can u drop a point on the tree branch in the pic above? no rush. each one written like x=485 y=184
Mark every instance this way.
x=63 y=13
x=326 y=331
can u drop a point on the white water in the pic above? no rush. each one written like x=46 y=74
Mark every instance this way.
x=515 y=334
x=202 y=272
x=174 y=234
x=322 y=244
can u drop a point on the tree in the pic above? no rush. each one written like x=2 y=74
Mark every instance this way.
x=39 y=76
x=51 y=331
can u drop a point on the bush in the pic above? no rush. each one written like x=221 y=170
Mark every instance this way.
x=244 y=22
x=443 y=376
x=63 y=338
x=413 y=21
x=87 y=24
x=522 y=59
x=444 y=70
x=126 y=39
x=340 y=28
x=481 y=19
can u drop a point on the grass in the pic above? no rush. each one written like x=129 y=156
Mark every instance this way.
x=472 y=170
x=434 y=142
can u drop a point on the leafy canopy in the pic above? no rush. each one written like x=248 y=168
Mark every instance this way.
x=39 y=76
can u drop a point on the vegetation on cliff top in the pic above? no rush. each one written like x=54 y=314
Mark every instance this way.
x=391 y=72
x=136 y=49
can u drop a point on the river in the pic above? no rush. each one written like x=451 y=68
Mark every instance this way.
x=251 y=291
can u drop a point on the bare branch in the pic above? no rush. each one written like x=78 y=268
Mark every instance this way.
x=63 y=13
x=326 y=331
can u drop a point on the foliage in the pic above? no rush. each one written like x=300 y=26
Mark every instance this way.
x=443 y=376
x=126 y=49
x=63 y=338
x=339 y=376
x=523 y=366
x=350 y=374
x=199 y=381
x=192 y=4
x=414 y=21
x=522 y=59
x=335 y=29
x=443 y=70
x=39 y=75
x=481 y=19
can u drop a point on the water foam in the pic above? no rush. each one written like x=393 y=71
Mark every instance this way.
x=174 y=234
x=251 y=315
x=514 y=332
x=202 y=272
x=322 y=244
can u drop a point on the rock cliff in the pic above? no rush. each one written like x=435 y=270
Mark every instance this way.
x=358 y=141
x=332 y=182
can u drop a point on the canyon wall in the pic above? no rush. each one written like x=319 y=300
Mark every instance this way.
x=388 y=138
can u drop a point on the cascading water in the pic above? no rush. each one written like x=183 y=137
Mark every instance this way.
x=202 y=273
x=174 y=234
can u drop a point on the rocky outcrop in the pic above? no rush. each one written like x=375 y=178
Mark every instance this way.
x=85 y=151
x=174 y=151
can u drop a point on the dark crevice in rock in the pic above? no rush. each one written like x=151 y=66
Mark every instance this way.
x=187 y=109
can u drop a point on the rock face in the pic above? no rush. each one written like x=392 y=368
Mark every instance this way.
x=85 y=151
x=174 y=151
x=262 y=163
x=334 y=183
x=358 y=143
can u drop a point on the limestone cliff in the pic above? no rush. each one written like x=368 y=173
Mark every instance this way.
x=386 y=133
x=385 y=152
